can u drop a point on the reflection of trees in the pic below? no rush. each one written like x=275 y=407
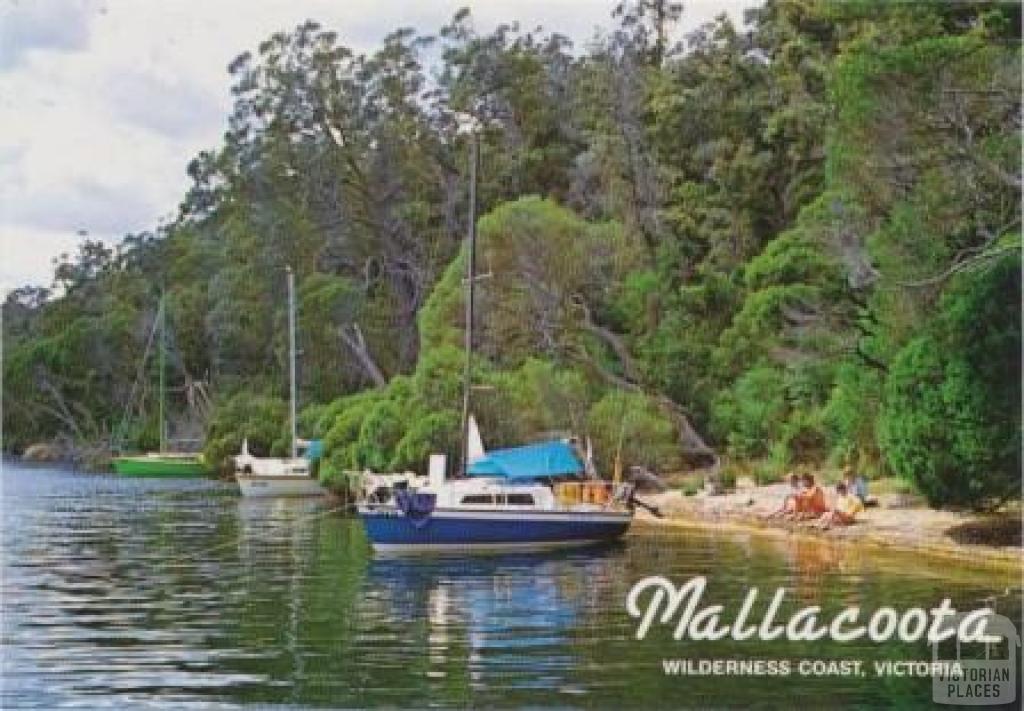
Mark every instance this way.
x=279 y=602
x=295 y=595
x=114 y=592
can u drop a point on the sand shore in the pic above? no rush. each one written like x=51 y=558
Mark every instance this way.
x=898 y=522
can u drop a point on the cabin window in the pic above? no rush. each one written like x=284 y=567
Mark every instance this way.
x=478 y=499
x=519 y=499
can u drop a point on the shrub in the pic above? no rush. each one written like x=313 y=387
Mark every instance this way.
x=342 y=437
x=646 y=435
x=258 y=418
x=434 y=433
x=727 y=478
x=768 y=472
x=751 y=413
x=851 y=415
x=379 y=434
x=951 y=420
x=802 y=441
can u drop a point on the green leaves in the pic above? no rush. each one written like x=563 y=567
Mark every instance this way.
x=787 y=232
x=630 y=425
x=951 y=422
x=258 y=418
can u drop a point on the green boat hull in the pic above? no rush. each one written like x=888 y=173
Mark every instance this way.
x=170 y=467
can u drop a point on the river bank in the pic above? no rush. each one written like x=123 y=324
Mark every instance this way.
x=898 y=522
x=94 y=457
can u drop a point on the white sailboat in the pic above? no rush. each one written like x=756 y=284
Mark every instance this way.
x=279 y=476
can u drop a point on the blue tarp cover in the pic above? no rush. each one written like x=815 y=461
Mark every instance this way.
x=315 y=450
x=529 y=462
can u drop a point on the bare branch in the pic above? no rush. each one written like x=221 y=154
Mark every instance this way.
x=352 y=336
x=611 y=338
x=959 y=266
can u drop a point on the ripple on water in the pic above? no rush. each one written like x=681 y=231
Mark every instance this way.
x=149 y=593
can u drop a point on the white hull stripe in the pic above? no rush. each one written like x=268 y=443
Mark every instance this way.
x=279 y=486
x=518 y=516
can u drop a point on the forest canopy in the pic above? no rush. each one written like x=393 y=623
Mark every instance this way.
x=794 y=240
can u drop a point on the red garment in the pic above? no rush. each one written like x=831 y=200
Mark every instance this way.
x=813 y=501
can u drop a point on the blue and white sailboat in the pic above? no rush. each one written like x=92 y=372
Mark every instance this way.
x=537 y=496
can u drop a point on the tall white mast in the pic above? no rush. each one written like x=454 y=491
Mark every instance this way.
x=474 y=157
x=291 y=356
x=163 y=371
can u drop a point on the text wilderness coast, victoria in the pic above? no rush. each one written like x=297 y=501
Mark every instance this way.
x=656 y=598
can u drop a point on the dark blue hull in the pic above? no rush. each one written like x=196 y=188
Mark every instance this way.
x=390 y=529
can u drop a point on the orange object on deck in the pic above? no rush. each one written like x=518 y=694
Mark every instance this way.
x=569 y=493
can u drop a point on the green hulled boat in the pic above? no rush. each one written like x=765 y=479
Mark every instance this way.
x=162 y=465
x=175 y=465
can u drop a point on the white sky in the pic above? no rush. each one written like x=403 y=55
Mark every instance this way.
x=104 y=102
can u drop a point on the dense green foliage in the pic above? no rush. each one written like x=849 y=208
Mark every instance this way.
x=954 y=394
x=793 y=243
x=260 y=420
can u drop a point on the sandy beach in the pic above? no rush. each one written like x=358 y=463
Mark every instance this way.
x=898 y=521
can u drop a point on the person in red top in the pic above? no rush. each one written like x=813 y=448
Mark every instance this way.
x=811 y=501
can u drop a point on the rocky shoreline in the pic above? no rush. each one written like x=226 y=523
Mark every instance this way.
x=93 y=458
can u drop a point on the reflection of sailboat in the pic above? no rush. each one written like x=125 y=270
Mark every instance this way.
x=277 y=546
x=540 y=495
x=271 y=476
x=483 y=589
x=161 y=463
x=462 y=611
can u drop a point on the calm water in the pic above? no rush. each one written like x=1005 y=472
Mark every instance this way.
x=124 y=593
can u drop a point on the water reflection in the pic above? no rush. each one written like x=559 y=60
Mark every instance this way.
x=493 y=614
x=171 y=595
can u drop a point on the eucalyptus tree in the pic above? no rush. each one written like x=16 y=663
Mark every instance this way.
x=517 y=84
x=332 y=164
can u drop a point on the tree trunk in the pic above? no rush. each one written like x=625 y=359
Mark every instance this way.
x=352 y=336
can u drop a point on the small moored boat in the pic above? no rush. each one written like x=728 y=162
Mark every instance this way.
x=161 y=464
x=276 y=476
x=282 y=476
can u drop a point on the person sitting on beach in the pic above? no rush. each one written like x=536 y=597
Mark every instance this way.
x=856 y=484
x=790 y=502
x=845 y=511
x=811 y=501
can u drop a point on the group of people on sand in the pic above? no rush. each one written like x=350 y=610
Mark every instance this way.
x=806 y=503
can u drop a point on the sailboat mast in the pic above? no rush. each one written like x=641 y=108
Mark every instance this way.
x=291 y=357
x=474 y=154
x=163 y=370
